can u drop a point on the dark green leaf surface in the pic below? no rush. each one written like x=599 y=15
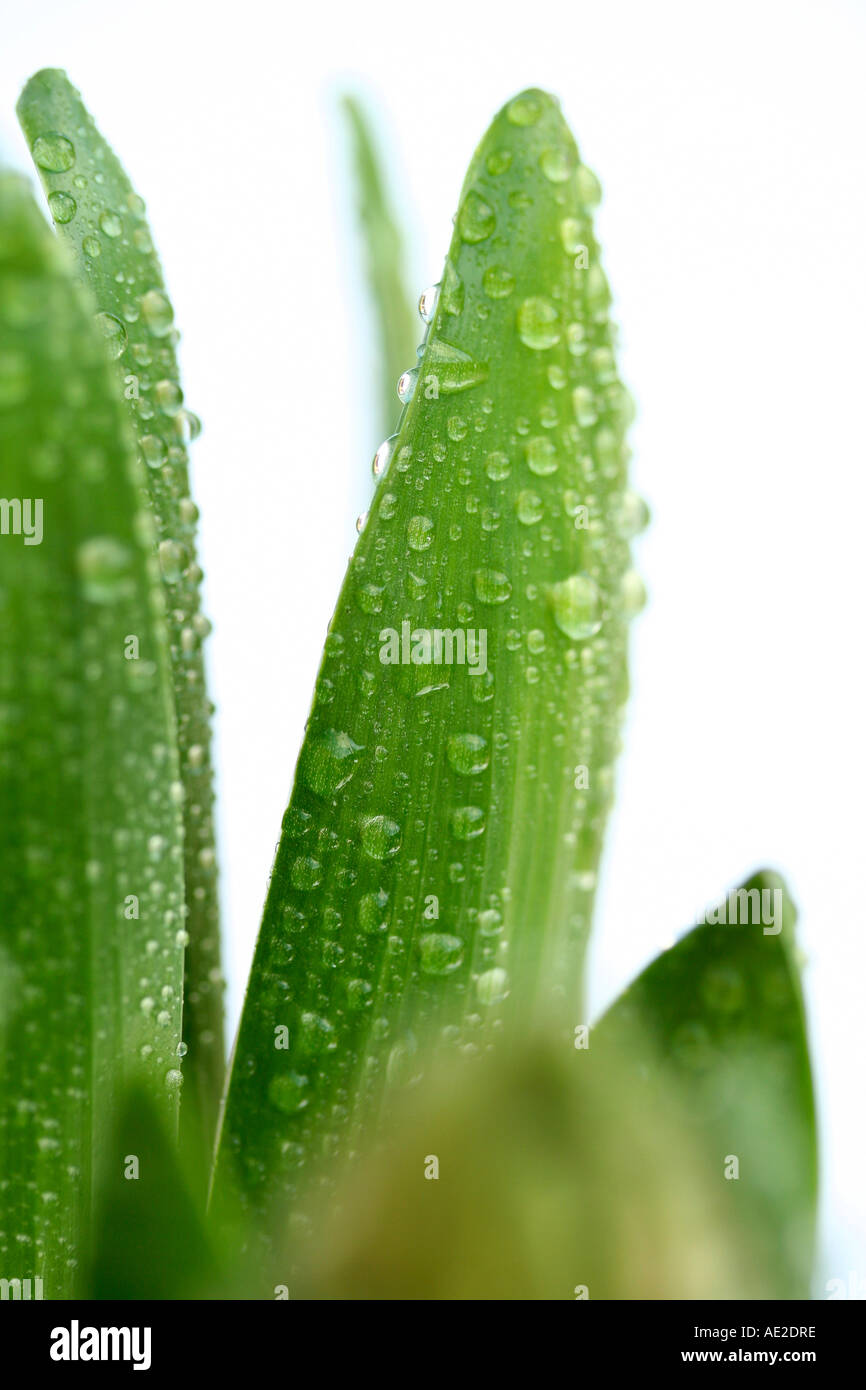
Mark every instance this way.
x=102 y=219
x=438 y=858
x=720 y=1017
x=91 y=874
x=383 y=246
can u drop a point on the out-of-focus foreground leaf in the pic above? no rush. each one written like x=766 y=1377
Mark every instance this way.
x=91 y=872
x=102 y=219
x=150 y=1239
x=538 y=1172
x=385 y=263
x=722 y=1015
x=604 y=1171
x=438 y=857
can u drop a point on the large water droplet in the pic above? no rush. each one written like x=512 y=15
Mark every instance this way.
x=538 y=323
x=419 y=533
x=381 y=837
x=157 y=313
x=541 y=456
x=493 y=986
x=104 y=565
x=491 y=586
x=523 y=110
x=467 y=822
x=328 y=762
x=289 y=1092
x=54 y=153
x=558 y=163
x=62 y=206
x=576 y=605
x=382 y=456
x=468 y=754
x=440 y=953
x=406 y=385
x=427 y=303
x=114 y=333
x=476 y=219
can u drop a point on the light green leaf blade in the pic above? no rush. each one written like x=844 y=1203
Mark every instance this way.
x=720 y=1017
x=385 y=262
x=91 y=883
x=102 y=219
x=438 y=857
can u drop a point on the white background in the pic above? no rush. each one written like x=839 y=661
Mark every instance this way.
x=729 y=140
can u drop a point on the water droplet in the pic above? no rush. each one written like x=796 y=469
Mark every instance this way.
x=328 y=761
x=571 y=235
x=181 y=1050
x=588 y=186
x=54 y=153
x=631 y=515
x=523 y=110
x=558 y=163
x=359 y=994
x=427 y=303
x=467 y=822
x=491 y=586
x=172 y=560
x=382 y=456
x=498 y=161
x=289 y=1092
x=530 y=508
x=498 y=282
x=372 y=912
x=306 y=873
x=440 y=953
x=576 y=604
x=406 y=385
x=451 y=368
x=104 y=565
x=110 y=224
x=476 y=219
x=381 y=837
x=91 y=247
x=157 y=313
x=468 y=754
x=493 y=986
x=538 y=323
x=114 y=333
x=498 y=466
x=490 y=922
x=541 y=456
x=419 y=533
x=633 y=592
x=153 y=450
x=62 y=206
x=174 y=1079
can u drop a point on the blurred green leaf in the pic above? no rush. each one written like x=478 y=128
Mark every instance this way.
x=385 y=263
x=719 y=1017
x=91 y=885
x=438 y=857
x=537 y=1172
x=102 y=220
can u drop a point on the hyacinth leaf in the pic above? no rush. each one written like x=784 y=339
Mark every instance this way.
x=439 y=853
x=720 y=1017
x=91 y=859
x=533 y=1172
x=101 y=218
x=385 y=261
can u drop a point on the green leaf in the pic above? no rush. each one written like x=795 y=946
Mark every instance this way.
x=91 y=887
x=537 y=1172
x=102 y=219
x=720 y=1017
x=150 y=1239
x=385 y=259
x=439 y=853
